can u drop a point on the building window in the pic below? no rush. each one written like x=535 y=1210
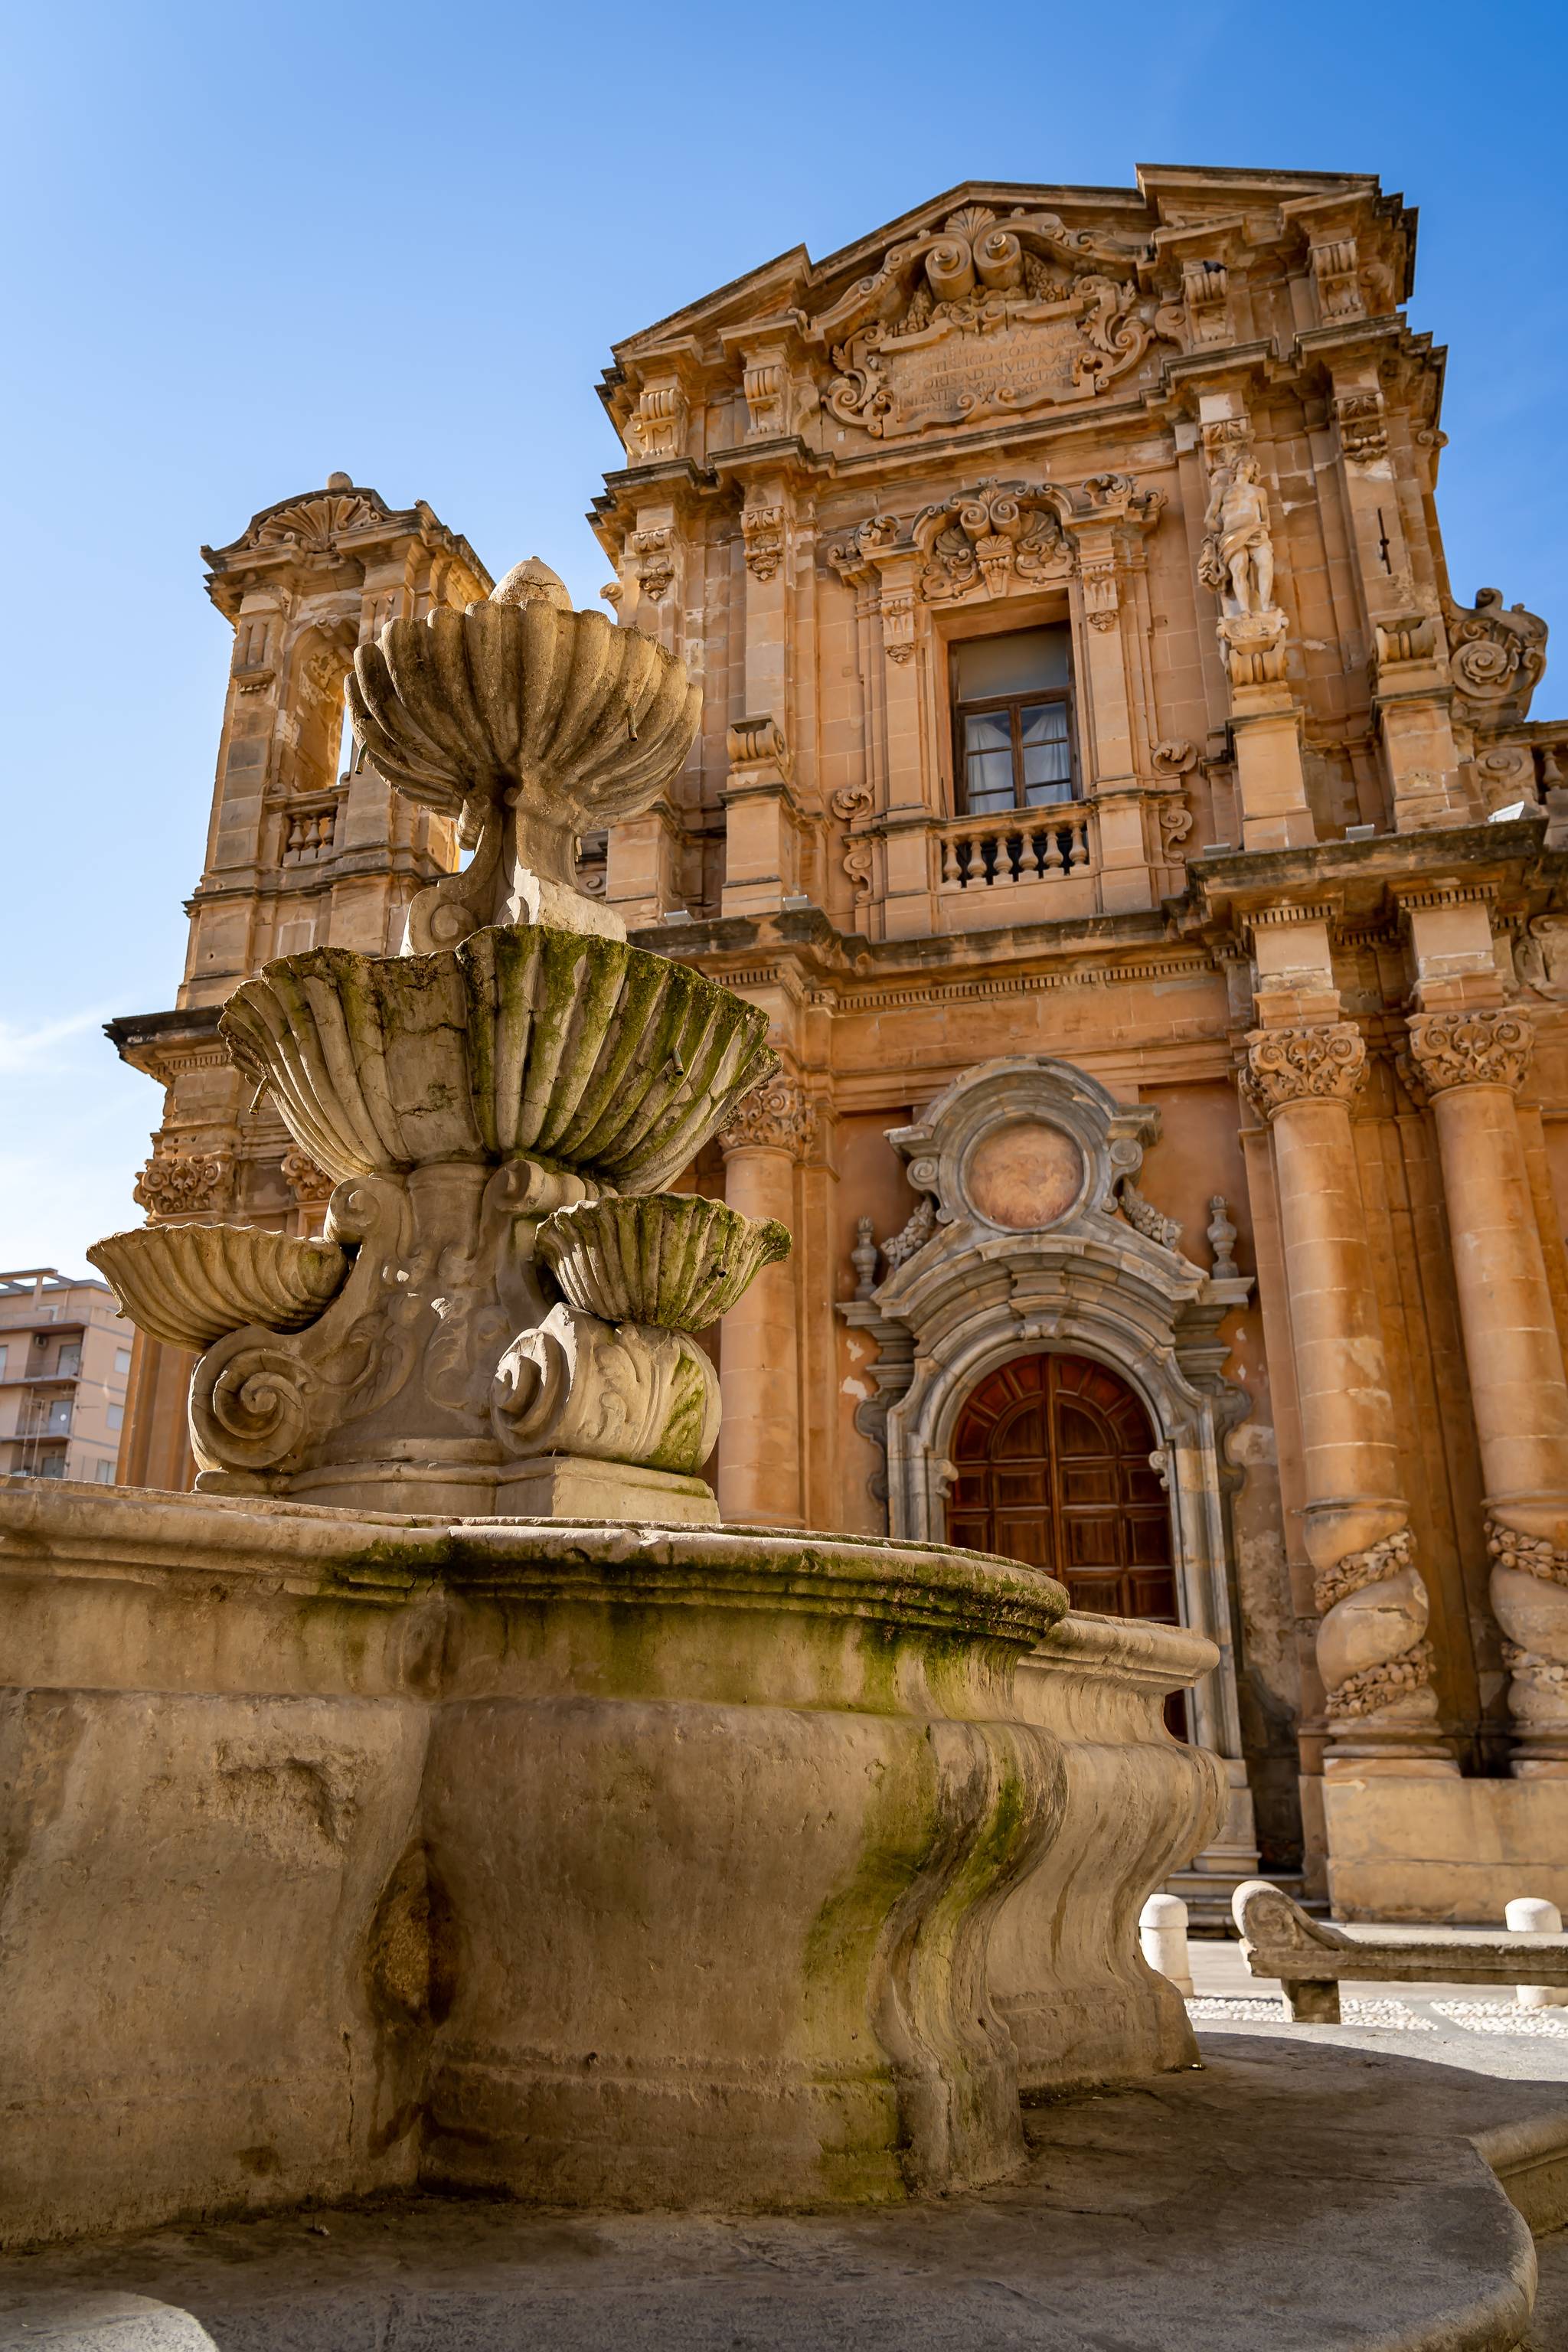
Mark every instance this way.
x=104 y=1472
x=116 y=1416
x=3 y=1353
x=121 y=1361
x=70 y=1364
x=1012 y=703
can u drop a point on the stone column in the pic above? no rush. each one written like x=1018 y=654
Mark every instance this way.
x=1372 y=1655
x=910 y=909
x=1470 y=1063
x=759 y=1478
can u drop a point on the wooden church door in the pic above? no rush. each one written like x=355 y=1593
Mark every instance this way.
x=1052 y=1457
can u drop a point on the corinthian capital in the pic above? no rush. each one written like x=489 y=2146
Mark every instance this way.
x=777 y=1116
x=1469 y=1049
x=1324 y=1063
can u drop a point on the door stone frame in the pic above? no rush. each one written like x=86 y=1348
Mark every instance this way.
x=975 y=1293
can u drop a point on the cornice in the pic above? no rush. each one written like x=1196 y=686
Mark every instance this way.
x=1222 y=889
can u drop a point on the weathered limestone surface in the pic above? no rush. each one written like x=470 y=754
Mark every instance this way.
x=1459 y=1851
x=599 y=1864
x=68 y=2320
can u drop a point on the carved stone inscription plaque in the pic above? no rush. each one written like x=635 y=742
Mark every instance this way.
x=1026 y=1175
x=957 y=376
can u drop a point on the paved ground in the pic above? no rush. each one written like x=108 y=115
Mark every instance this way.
x=1468 y=2025
x=1312 y=2188
x=1304 y=2192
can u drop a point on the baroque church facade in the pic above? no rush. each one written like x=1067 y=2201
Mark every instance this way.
x=1154 y=877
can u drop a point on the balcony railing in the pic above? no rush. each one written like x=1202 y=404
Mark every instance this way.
x=310 y=835
x=996 y=852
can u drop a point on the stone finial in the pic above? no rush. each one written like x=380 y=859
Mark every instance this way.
x=531 y=581
x=339 y=481
x=468 y=713
x=1222 y=1240
x=863 y=1258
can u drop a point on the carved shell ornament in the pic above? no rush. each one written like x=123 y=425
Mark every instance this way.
x=522 y=1042
x=984 y=318
x=673 y=1259
x=190 y=1285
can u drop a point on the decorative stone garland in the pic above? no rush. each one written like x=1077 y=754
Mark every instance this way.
x=1532 y=1555
x=1377 y=1589
x=1530 y=1601
x=1358 y=1568
x=1376 y=1687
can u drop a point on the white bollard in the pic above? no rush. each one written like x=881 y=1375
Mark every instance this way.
x=1527 y=1916
x=1163 y=1933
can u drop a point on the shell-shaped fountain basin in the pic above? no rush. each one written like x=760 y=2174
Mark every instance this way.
x=190 y=1285
x=565 y=706
x=524 y=1042
x=670 y=1258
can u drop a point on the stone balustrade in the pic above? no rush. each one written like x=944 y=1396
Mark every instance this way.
x=1018 y=846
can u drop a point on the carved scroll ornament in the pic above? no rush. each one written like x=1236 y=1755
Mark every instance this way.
x=1146 y=1219
x=1364 y=425
x=1469 y=1049
x=986 y=318
x=762 y=530
x=991 y=533
x=312 y=526
x=1497 y=657
x=994 y=537
x=1325 y=1062
x=309 y=1183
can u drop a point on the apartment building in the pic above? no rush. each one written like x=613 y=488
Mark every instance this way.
x=65 y=1358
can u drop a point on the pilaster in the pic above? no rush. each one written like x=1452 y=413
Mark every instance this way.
x=1411 y=693
x=759 y=1480
x=1108 y=535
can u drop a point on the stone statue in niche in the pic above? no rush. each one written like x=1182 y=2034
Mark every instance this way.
x=1237 y=556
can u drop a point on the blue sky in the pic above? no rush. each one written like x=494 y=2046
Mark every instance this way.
x=247 y=246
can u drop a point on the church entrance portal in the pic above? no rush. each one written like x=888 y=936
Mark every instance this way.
x=1052 y=1460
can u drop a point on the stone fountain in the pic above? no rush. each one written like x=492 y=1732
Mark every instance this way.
x=502 y=1307
x=440 y=1794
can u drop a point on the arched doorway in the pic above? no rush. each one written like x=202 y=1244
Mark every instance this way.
x=1052 y=1460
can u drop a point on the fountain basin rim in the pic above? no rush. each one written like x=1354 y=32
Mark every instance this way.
x=387 y=1558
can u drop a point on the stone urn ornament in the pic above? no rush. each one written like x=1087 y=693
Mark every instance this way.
x=501 y=1315
x=530 y=724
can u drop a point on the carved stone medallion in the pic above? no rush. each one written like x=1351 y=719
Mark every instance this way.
x=1025 y=1176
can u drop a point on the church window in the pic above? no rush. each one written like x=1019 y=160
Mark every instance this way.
x=1011 y=699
